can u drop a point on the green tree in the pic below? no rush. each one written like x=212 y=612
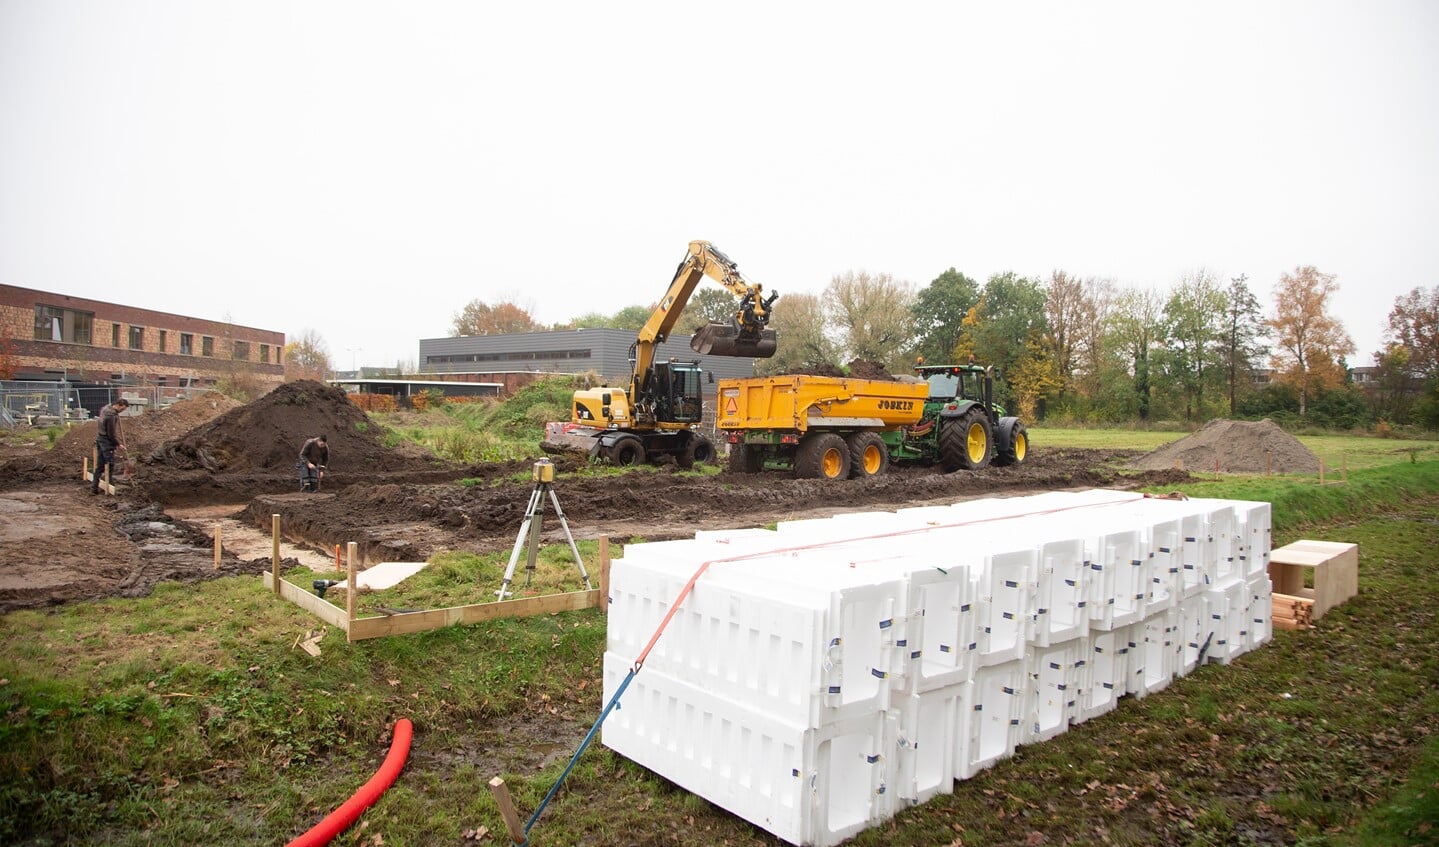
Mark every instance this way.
x=1009 y=311
x=1133 y=333
x=872 y=316
x=709 y=305
x=632 y=317
x=1311 y=341
x=1191 y=331
x=481 y=318
x=939 y=309
x=1243 y=342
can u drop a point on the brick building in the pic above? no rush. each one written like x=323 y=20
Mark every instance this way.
x=91 y=343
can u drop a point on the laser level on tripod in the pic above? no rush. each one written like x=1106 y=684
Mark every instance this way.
x=529 y=537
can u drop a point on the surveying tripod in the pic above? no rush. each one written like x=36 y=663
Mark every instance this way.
x=544 y=476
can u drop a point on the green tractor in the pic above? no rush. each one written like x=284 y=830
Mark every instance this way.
x=961 y=427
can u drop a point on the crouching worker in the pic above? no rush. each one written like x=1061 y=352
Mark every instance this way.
x=314 y=456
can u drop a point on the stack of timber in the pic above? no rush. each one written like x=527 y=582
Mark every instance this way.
x=1291 y=612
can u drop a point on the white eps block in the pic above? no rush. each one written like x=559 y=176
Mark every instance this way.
x=806 y=785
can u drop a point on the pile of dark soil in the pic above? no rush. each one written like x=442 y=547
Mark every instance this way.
x=266 y=435
x=1234 y=447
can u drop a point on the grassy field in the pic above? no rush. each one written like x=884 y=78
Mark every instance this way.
x=1336 y=451
x=190 y=717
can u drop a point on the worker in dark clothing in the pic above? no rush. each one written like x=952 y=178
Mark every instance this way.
x=107 y=440
x=314 y=456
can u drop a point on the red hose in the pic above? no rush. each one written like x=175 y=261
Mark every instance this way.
x=340 y=819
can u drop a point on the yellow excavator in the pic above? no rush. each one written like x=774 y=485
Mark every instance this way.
x=657 y=416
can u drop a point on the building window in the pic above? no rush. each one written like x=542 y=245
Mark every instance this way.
x=241 y=351
x=207 y=346
x=53 y=323
x=114 y=335
x=264 y=354
x=137 y=338
x=187 y=344
x=163 y=335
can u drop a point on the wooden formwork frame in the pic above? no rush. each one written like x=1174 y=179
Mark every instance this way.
x=401 y=623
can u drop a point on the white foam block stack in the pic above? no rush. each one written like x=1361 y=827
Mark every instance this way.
x=822 y=676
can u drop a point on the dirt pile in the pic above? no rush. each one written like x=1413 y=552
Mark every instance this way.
x=266 y=435
x=146 y=431
x=1236 y=447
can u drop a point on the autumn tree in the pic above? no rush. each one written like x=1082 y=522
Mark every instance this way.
x=503 y=318
x=872 y=315
x=1091 y=352
x=1414 y=325
x=307 y=357
x=1067 y=312
x=1032 y=377
x=804 y=343
x=938 y=311
x=1311 y=342
x=1191 y=328
x=1244 y=338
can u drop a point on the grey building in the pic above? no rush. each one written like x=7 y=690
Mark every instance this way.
x=604 y=351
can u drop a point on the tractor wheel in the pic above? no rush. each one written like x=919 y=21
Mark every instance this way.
x=822 y=455
x=868 y=455
x=745 y=459
x=698 y=450
x=964 y=442
x=1012 y=442
x=627 y=451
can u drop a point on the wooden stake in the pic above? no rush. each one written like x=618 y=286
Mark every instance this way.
x=507 y=810
x=350 y=590
x=1268 y=463
x=1321 y=471
x=338 y=567
x=1344 y=465
x=275 y=549
x=217 y=547
x=604 y=574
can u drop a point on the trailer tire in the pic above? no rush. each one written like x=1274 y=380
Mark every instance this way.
x=627 y=450
x=745 y=459
x=1011 y=442
x=698 y=450
x=965 y=442
x=822 y=455
x=868 y=455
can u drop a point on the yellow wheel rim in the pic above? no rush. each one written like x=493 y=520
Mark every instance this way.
x=1021 y=446
x=871 y=460
x=977 y=444
x=830 y=465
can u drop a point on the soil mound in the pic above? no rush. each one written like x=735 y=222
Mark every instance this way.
x=1237 y=447
x=266 y=435
x=146 y=431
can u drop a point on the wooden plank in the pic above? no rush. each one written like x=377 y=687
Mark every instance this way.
x=401 y=624
x=317 y=606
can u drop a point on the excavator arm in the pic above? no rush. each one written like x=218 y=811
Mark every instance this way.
x=746 y=334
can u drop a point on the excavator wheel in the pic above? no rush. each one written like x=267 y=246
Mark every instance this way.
x=822 y=455
x=868 y=455
x=745 y=459
x=627 y=451
x=697 y=451
x=1012 y=442
x=964 y=442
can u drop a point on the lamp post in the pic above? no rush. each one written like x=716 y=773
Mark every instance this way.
x=353 y=351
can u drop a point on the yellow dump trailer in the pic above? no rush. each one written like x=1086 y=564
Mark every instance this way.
x=837 y=427
x=802 y=402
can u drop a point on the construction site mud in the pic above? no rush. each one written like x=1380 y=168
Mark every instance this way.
x=59 y=543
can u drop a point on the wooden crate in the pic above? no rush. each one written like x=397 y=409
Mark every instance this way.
x=1335 y=567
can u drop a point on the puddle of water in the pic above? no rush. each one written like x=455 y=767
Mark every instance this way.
x=247 y=542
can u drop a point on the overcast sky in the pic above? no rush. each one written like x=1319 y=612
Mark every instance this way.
x=366 y=169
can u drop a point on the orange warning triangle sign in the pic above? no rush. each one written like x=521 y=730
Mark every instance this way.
x=731 y=407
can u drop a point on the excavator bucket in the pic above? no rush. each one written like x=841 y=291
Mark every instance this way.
x=725 y=340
